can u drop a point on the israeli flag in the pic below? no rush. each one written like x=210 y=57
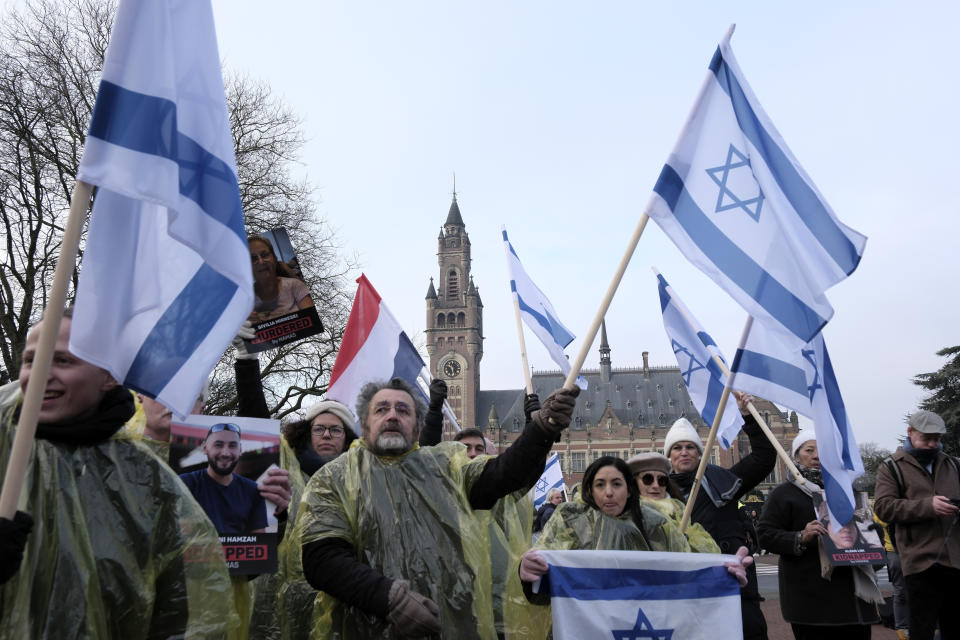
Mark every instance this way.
x=538 y=313
x=740 y=207
x=694 y=349
x=641 y=594
x=166 y=279
x=803 y=379
x=552 y=478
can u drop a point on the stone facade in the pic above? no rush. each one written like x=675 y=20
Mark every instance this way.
x=623 y=412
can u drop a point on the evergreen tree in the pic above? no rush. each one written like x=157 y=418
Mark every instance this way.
x=944 y=400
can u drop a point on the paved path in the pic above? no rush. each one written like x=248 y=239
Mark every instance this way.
x=777 y=629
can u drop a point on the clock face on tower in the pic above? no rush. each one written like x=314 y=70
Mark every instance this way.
x=451 y=368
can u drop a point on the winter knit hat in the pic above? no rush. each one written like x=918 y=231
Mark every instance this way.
x=805 y=435
x=336 y=408
x=681 y=431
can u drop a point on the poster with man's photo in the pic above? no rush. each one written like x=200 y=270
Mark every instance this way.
x=283 y=309
x=224 y=462
x=856 y=543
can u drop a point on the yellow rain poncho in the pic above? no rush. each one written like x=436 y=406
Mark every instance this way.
x=283 y=601
x=576 y=525
x=407 y=517
x=119 y=548
x=671 y=508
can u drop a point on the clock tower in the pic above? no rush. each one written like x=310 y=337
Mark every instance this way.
x=455 y=320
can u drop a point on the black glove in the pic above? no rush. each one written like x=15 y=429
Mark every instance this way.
x=531 y=402
x=13 y=539
x=557 y=411
x=438 y=393
x=412 y=614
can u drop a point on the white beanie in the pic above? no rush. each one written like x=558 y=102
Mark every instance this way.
x=338 y=409
x=805 y=435
x=681 y=431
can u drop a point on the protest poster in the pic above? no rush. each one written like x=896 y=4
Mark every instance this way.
x=209 y=450
x=857 y=542
x=283 y=309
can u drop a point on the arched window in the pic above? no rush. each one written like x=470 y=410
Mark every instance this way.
x=453 y=284
x=461 y=319
x=441 y=320
x=451 y=319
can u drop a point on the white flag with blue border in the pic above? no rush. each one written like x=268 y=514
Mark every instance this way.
x=803 y=379
x=694 y=349
x=551 y=478
x=166 y=279
x=740 y=207
x=627 y=595
x=538 y=313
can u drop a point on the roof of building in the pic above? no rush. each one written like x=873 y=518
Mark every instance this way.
x=657 y=399
x=453 y=217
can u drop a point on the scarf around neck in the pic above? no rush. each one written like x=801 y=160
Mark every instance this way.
x=111 y=414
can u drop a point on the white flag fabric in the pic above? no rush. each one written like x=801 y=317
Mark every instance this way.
x=374 y=347
x=538 y=313
x=738 y=205
x=694 y=349
x=803 y=379
x=552 y=478
x=166 y=279
x=641 y=594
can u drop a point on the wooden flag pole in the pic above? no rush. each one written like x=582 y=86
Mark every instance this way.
x=40 y=368
x=591 y=334
x=523 y=346
x=787 y=461
x=712 y=438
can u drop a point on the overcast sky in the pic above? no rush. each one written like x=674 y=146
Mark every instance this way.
x=557 y=117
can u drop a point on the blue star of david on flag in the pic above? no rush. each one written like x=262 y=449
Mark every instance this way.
x=643 y=628
x=812 y=389
x=735 y=161
x=693 y=365
x=542 y=484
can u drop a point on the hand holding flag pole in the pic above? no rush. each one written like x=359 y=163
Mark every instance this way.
x=40 y=369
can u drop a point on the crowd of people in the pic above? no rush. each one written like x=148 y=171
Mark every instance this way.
x=387 y=531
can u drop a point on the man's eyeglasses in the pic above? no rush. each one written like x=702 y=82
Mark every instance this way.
x=224 y=426
x=319 y=430
x=648 y=479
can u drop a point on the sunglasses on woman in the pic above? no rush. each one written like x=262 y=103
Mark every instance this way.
x=649 y=479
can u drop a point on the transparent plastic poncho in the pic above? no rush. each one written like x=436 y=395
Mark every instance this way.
x=577 y=526
x=409 y=518
x=119 y=547
x=283 y=601
x=671 y=508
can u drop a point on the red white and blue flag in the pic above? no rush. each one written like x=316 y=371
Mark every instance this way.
x=374 y=347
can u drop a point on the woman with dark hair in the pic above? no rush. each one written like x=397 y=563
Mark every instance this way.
x=325 y=432
x=274 y=294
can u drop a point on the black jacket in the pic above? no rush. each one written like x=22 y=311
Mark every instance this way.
x=332 y=565
x=805 y=597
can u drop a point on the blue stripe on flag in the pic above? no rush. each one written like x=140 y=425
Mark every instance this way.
x=776 y=371
x=407 y=363
x=639 y=584
x=180 y=330
x=553 y=326
x=664 y=294
x=837 y=410
x=706 y=339
x=838 y=500
x=148 y=124
x=804 y=200
x=730 y=259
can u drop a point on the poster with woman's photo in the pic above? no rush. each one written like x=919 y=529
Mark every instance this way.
x=283 y=309
x=224 y=461
x=858 y=542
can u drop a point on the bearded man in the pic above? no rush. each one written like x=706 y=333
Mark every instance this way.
x=389 y=531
